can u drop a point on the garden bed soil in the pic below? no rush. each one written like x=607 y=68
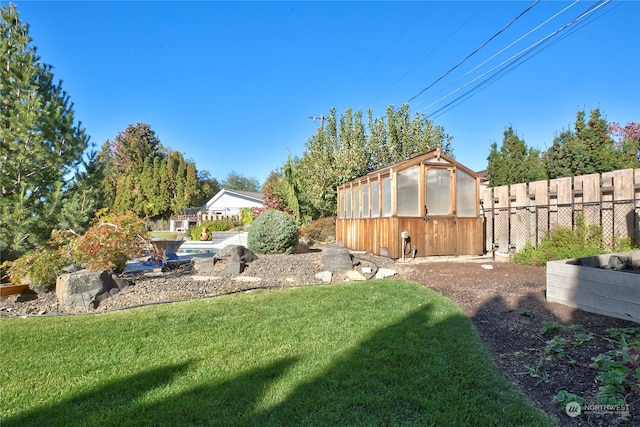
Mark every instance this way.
x=505 y=301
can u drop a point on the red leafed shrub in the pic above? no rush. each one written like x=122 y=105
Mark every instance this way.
x=111 y=241
x=271 y=201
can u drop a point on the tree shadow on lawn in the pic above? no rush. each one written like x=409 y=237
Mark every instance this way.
x=417 y=371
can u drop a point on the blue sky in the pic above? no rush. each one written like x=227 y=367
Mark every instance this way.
x=232 y=85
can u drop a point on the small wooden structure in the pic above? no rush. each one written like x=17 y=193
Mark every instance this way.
x=583 y=283
x=424 y=206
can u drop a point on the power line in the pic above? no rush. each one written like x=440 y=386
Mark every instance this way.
x=499 y=74
x=502 y=50
x=475 y=51
x=463 y=25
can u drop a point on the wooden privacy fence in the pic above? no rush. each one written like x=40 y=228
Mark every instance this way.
x=518 y=214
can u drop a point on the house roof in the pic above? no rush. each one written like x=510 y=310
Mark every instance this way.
x=246 y=195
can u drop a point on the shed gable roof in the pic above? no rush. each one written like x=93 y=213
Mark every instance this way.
x=435 y=155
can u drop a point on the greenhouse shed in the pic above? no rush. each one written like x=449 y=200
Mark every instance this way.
x=424 y=206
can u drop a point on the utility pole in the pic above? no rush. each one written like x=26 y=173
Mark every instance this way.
x=321 y=118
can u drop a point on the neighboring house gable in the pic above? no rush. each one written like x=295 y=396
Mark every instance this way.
x=229 y=202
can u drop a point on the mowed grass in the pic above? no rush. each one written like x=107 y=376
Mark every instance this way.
x=384 y=353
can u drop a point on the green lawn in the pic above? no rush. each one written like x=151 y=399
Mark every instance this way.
x=373 y=353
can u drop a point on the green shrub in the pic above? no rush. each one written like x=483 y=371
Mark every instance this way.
x=273 y=232
x=39 y=268
x=564 y=243
x=246 y=216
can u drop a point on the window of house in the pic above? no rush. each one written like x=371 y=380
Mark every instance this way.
x=347 y=200
x=408 y=192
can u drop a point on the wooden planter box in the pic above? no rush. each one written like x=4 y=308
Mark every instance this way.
x=583 y=284
x=6 y=290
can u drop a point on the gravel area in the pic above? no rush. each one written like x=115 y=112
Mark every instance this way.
x=178 y=281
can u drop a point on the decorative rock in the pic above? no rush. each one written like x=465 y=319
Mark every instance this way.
x=247 y=279
x=120 y=282
x=235 y=253
x=383 y=273
x=235 y=267
x=84 y=289
x=324 y=276
x=336 y=259
x=202 y=266
x=205 y=278
x=355 y=276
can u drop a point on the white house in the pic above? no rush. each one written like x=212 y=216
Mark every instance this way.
x=229 y=202
x=226 y=203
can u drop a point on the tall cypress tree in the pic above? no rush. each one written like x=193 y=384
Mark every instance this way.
x=40 y=142
x=514 y=162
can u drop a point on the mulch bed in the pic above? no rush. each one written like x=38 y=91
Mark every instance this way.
x=507 y=305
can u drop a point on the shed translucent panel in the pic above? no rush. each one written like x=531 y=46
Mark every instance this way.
x=386 y=196
x=375 y=199
x=408 y=190
x=356 y=202
x=465 y=194
x=438 y=191
x=365 y=200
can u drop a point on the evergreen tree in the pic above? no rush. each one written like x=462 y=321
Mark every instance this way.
x=40 y=142
x=191 y=186
x=588 y=149
x=514 y=162
x=85 y=195
x=131 y=147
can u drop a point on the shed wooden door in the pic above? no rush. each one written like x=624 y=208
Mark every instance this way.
x=440 y=228
x=440 y=236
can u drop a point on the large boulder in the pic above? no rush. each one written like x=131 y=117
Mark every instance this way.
x=85 y=289
x=202 y=266
x=236 y=258
x=235 y=253
x=336 y=259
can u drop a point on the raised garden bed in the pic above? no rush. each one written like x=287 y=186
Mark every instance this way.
x=604 y=284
